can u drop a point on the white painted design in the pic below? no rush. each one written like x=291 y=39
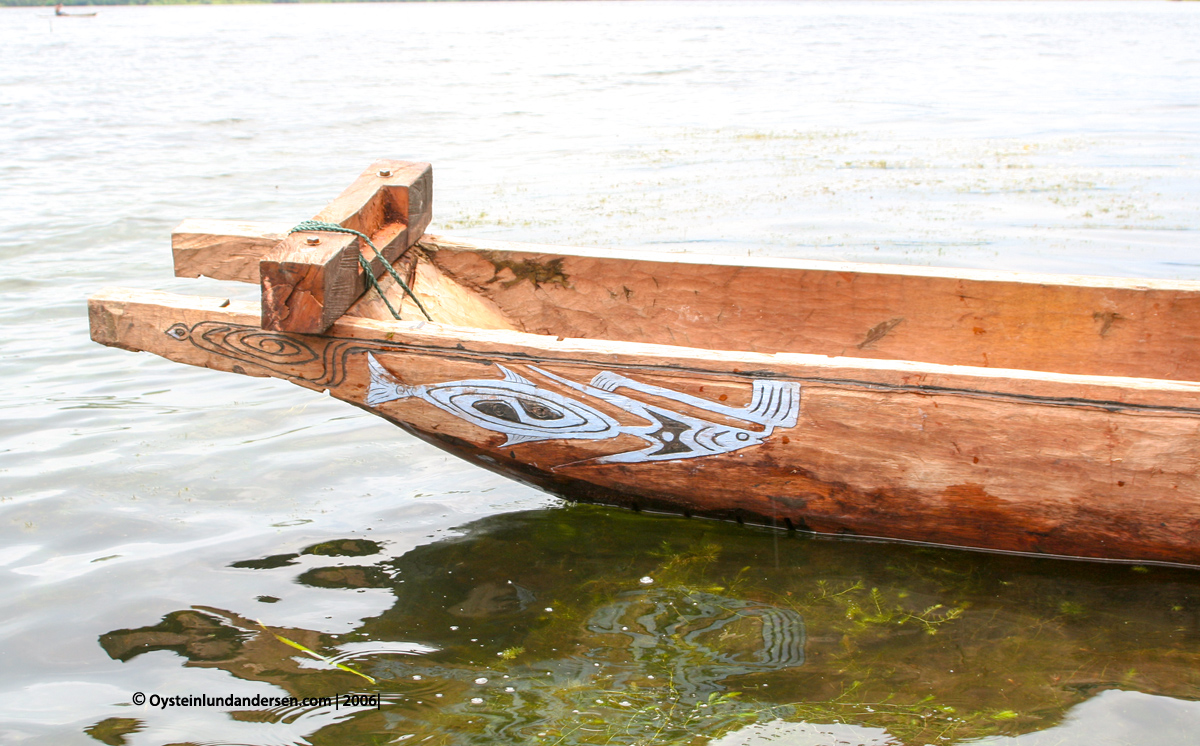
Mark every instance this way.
x=513 y=406
x=673 y=435
x=518 y=408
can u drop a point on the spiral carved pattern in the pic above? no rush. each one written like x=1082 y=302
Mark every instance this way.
x=252 y=344
x=287 y=355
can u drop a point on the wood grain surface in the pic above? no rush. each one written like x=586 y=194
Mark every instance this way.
x=1008 y=460
x=224 y=249
x=307 y=285
x=1058 y=323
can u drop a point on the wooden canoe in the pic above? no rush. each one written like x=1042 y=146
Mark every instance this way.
x=986 y=410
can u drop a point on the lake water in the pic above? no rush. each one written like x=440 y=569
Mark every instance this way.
x=164 y=529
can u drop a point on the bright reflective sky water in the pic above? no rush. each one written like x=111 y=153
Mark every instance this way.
x=1060 y=137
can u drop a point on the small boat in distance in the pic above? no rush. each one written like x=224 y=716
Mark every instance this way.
x=58 y=11
x=987 y=410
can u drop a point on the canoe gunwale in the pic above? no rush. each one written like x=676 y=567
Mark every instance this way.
x=450 y=341
x=435 y=242
x=1084 y=325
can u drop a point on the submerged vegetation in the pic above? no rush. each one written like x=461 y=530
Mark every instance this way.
x=591 y=626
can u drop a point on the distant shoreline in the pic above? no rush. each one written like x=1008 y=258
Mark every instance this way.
x=101 y=3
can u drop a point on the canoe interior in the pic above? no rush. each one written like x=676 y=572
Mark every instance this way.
x=1060 y=324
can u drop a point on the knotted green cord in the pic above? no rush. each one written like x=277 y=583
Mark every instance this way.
x=317 y=225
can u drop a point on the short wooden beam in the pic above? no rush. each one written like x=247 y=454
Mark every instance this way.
x=307 y=286
x=224 y=249
x=311 y=278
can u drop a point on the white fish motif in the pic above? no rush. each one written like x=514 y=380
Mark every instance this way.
x=673 y=435
x=513 y=406
x=516 y=407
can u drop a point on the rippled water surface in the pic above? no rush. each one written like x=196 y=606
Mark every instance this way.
x=174 y=531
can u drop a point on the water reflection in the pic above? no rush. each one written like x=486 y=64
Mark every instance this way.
x=584 y=625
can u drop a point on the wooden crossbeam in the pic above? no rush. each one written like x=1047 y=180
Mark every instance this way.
x=309 y=279
x=224 y=249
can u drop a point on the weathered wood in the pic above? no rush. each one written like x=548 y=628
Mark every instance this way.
x=1057 y=323
x=989 y=410
x=393 y=210
x=232 y=250
x=447 y=301
x=310 y=279
x=305 y=287
x=224 y=249
x=1084 y=466
x=389 y=195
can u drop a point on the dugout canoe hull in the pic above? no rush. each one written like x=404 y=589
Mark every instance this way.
x=926 y=450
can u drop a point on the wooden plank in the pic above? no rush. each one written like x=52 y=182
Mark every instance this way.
x=311 y=279
x=446 y=300
x=224 y=249
x=1057 y=323
x=232 y=250
x=1085 y=466
x=307 y=285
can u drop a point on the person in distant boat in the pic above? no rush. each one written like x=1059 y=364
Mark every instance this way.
x=58 y=10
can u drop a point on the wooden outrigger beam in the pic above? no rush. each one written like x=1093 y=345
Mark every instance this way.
x=309 y=279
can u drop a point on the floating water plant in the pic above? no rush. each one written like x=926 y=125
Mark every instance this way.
x=315 y=654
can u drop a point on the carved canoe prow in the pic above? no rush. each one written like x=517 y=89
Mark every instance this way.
x=987 y=410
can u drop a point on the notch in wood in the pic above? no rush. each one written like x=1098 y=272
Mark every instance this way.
x=310 y=279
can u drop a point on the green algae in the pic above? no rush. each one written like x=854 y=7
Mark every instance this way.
x=113 y=731
x=595 y=626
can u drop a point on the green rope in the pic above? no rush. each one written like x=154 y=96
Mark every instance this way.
x=317 y=225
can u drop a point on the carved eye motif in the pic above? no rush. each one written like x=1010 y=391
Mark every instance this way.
x=178 y=331
x=498 y=409
x=539 y=411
